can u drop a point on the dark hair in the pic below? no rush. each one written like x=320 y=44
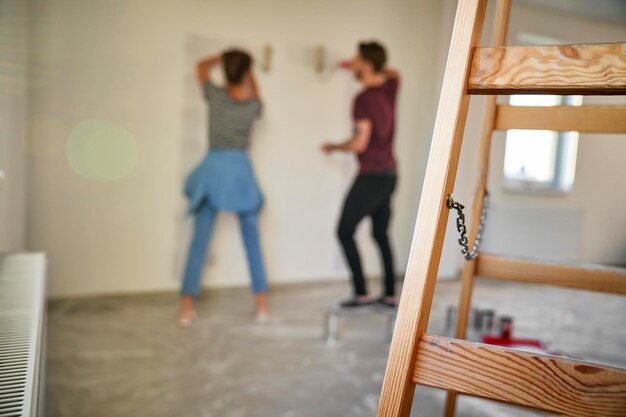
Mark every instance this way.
x=374 y=53
x=236 y=64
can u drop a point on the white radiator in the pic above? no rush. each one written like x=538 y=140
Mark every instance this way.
x=22 y=334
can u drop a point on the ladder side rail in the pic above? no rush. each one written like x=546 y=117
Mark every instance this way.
x=421 y=274
x=500 y=30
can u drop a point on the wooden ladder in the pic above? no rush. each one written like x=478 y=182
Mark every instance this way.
x=553 y=384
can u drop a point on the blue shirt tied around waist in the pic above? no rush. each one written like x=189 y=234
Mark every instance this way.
x=225 y=180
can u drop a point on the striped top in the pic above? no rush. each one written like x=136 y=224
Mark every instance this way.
x=230 y=120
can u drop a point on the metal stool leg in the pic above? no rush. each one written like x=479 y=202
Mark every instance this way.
x=332 y=327
x=391 y=322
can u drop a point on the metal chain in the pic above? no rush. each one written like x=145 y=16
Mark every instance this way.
x=460 y=226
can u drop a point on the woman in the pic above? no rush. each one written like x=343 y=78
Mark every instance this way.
x=224 y=180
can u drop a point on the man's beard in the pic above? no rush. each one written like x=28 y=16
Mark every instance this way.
x=357 y=75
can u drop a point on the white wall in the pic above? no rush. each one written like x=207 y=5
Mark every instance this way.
x=131 y=63
x=598 y=197
x=14 y=18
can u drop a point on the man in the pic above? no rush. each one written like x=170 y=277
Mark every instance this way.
x=374 y=120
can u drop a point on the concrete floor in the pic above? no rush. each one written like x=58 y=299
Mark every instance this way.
x=125 y=357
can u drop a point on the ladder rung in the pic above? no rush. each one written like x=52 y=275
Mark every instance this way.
x=584 y=277
x=598 y=69
x=587 y=119
x=545 y=382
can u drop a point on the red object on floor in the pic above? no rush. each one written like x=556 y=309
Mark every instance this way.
x=513 y=342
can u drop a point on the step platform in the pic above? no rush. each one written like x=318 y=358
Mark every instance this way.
x=335 y=312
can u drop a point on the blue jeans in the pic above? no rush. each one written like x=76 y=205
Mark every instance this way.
x=203 y=227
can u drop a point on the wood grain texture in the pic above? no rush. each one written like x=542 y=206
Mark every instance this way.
x=598 y=69
x=583 y=277
x=545 y=382
x=421 y=273
x=500 y=30
x=584 y=119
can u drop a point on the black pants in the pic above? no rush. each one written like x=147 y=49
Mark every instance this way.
x=370 y=195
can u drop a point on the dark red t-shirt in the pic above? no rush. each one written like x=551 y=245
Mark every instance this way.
x=378 y=104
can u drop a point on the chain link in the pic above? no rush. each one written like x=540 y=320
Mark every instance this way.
x=460 y=226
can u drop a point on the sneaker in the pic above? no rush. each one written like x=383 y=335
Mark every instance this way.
x=355 y=302
x=386 y=301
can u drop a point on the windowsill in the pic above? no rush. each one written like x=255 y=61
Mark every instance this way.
x=534 y=189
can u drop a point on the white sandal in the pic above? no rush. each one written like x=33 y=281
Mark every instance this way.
x=185 y=321
x=262 y=317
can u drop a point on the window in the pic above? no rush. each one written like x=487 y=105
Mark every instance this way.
x=540 y=160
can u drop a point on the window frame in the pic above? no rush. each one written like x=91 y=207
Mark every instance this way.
x=559 y=185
